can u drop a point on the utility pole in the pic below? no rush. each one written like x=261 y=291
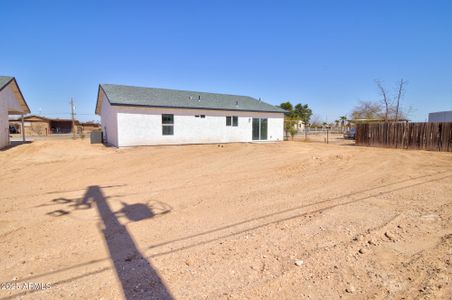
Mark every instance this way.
x=73 y=118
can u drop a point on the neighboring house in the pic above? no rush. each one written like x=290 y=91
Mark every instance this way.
x=12 y=102
x=299 y=126
x=34 y=125
x=87 y=127
x=132 y=116
x=441 y=116
x=41 y=126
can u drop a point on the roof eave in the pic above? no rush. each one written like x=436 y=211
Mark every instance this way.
x=99 y=105
x=96 y=111
x=185 y=107
x=27 y=108
x=22 y=103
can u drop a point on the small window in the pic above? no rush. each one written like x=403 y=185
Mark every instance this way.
x=167 y=124
x=167 y=119
x=167 y=130
x=228 y=121
x=235 y=121
x=203 y=116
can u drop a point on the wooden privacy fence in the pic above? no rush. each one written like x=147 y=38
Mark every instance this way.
x=422 y=136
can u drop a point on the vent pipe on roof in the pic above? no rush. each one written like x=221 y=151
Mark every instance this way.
x=199 y=97
x=236 y=103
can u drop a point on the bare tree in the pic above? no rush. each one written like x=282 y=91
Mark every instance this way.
x=400 y=93
x=316 y=121
x=392 y=107
x=386 y=99
x=367 y=110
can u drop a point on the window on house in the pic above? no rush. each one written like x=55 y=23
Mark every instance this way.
x=232 y=121
x=203 y=116
x=235 y=121
x=167 y=124
x=196 y=116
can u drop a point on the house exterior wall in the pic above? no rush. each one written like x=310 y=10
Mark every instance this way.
x=132 y=126
x=7 y=102
x=87 y=128
x=32 y=127
x=36 y=128
x=4 y=124
x=109 y=122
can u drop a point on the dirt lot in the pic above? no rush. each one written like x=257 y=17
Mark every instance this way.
x=276 y=221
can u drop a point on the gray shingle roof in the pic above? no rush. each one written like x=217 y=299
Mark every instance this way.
x=4 y=80
x=154 y=97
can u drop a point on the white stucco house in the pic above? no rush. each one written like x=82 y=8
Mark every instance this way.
x=12 y=102
x=132 y=116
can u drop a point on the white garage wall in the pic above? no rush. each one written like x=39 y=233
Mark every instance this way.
x=7 y=102
x=109 y=122
x=143 y=126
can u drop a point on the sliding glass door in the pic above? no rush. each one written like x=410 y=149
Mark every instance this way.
x=260 y=129
x=255 y=129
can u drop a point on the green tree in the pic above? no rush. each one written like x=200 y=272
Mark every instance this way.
x=303 y=113
x=290 y=124
x=287 y=106
x=295 y=114
x=292 y=131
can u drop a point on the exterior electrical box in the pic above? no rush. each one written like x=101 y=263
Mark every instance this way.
x=96 y=137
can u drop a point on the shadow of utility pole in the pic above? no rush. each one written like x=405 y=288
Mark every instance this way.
x=137 y=277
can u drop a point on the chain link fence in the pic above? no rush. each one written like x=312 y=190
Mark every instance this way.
x=322 y=135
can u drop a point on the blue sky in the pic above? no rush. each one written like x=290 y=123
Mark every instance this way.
x=323 y=53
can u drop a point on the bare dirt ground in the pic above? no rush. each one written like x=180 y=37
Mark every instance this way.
x=275 y=221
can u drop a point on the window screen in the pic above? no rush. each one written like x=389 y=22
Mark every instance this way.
x=235 y=121
x=167 y=119
x=167 y=124
x=168 y=130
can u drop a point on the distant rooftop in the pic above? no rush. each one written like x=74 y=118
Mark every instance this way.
x=440 y=116
x=46 y=119
x=156 y=97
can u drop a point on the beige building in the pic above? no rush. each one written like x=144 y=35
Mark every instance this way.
x=41 y=126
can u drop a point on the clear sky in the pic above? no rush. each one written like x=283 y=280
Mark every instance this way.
x=323 y=53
